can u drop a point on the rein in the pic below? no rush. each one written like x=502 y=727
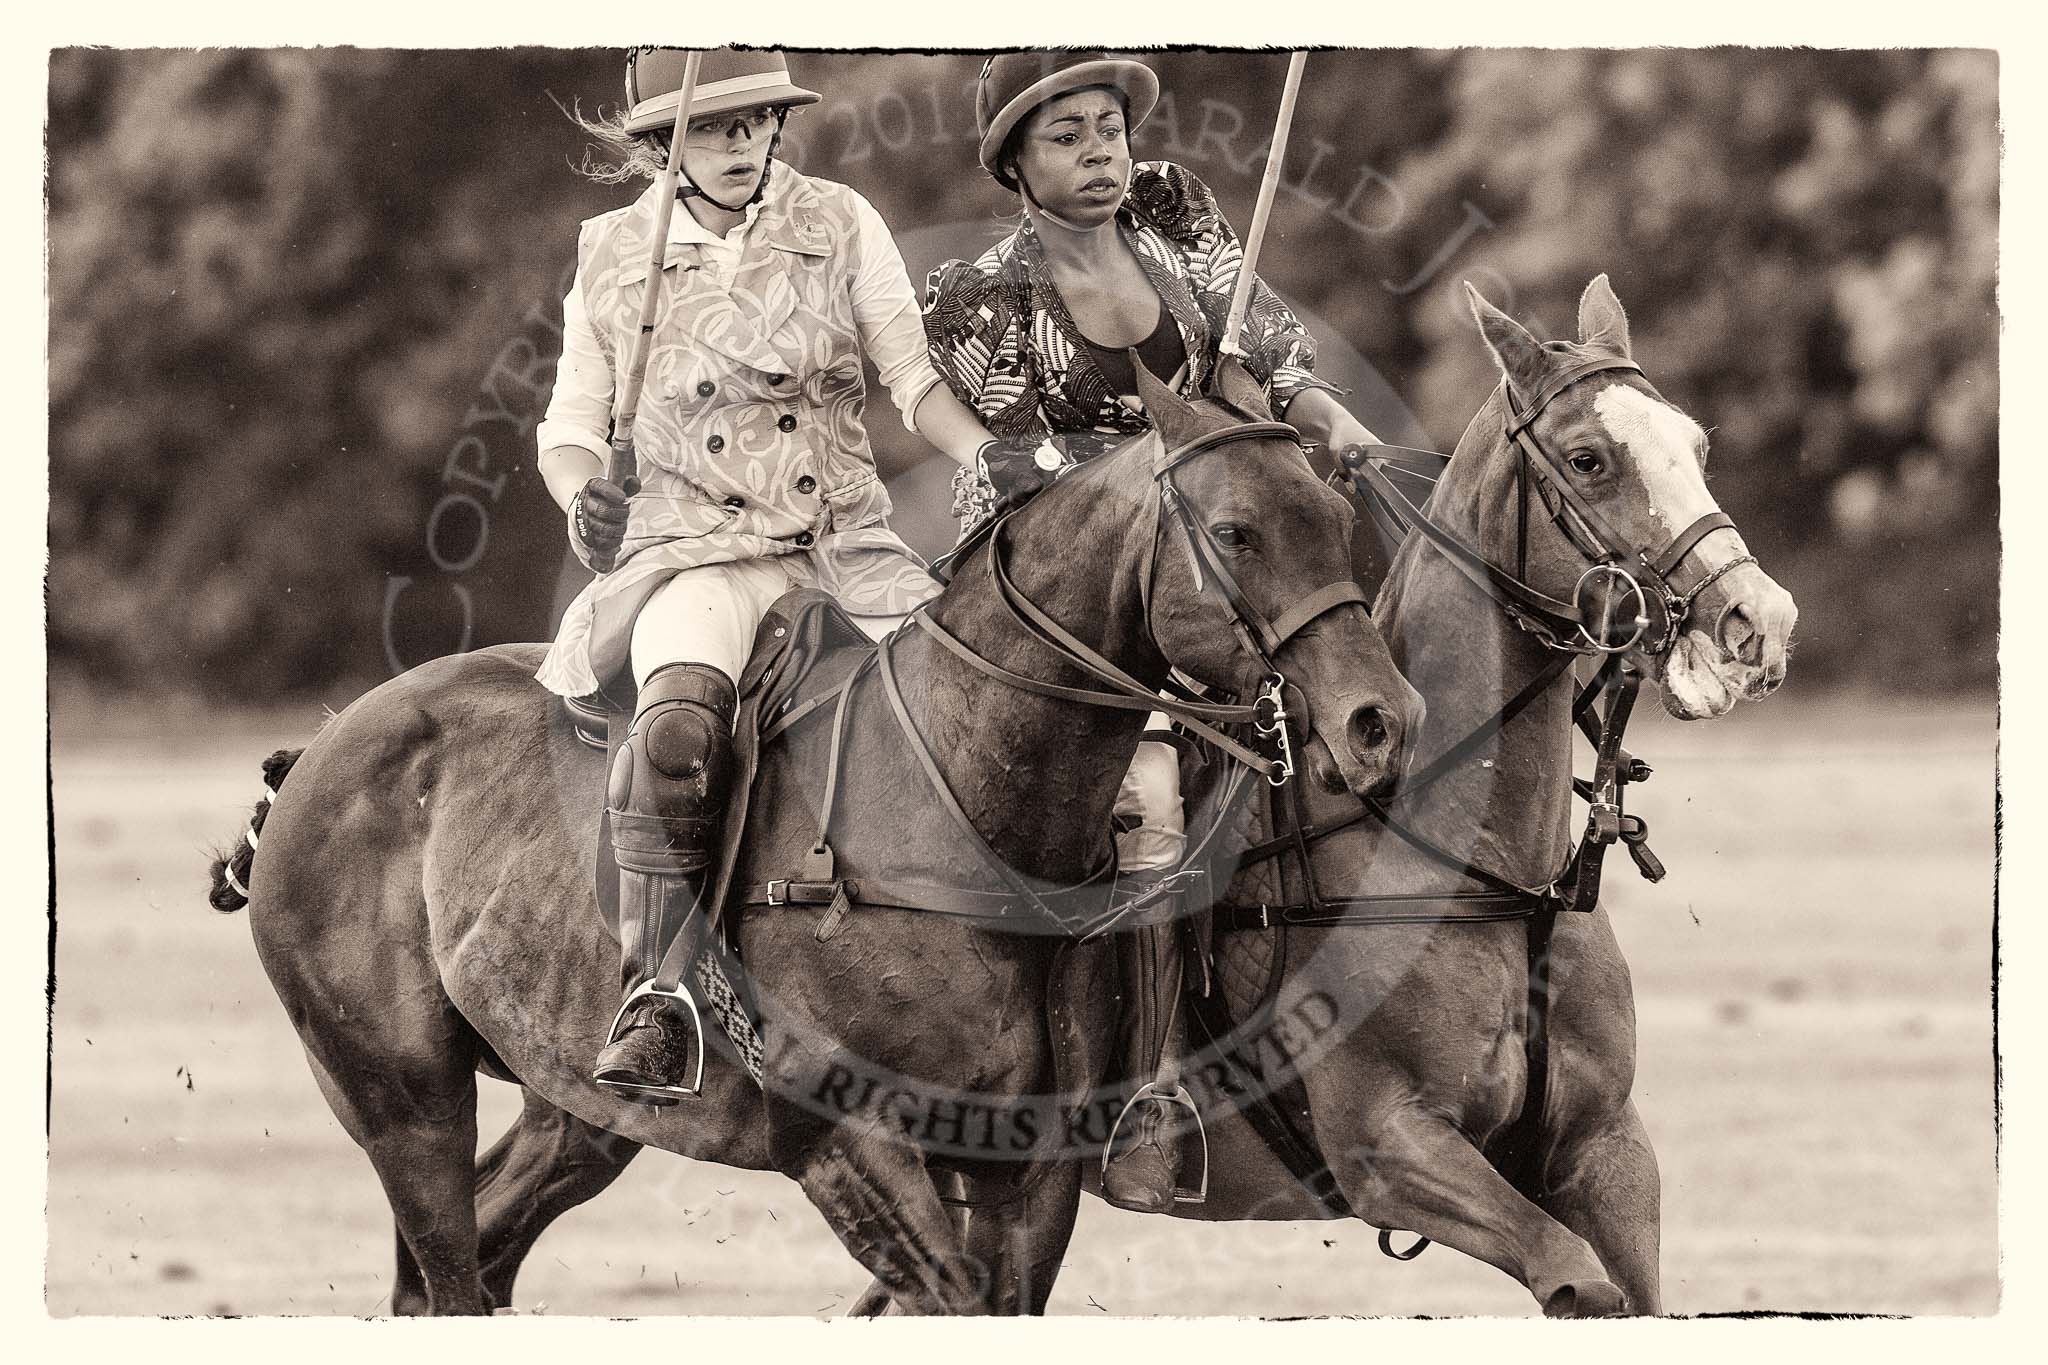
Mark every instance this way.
x=1078 y=909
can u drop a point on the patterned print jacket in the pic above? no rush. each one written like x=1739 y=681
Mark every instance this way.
x=1002 y=337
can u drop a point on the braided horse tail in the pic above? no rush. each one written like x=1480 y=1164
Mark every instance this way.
x=231 y=868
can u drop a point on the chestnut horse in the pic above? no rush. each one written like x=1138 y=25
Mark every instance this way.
x=1417 y=1076
x=422 y=898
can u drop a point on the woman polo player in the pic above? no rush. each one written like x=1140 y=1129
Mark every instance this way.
x=1034 y=336
x=754 y=474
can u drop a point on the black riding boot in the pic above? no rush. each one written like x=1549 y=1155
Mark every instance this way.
x=1141 y=1169
x=668 y=789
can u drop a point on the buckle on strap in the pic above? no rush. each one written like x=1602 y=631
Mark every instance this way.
x=778 y=891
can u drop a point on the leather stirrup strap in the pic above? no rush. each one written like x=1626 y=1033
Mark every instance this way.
x=839 y=713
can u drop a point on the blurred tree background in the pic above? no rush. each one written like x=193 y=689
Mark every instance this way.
x=304 y=306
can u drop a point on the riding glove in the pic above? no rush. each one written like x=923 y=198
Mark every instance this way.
x=1018 y=468
x=597 y=521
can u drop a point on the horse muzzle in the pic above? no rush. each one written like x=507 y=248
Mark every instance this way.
x=1366 y=750
x=1736 y=643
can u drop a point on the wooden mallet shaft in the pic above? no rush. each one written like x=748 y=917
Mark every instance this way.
x=623 y=461
x=1269 y=185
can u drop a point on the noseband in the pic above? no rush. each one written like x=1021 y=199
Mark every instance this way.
x=1611 y=567
x=1619 y=575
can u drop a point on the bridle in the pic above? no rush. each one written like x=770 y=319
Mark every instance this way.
x=1569 y=630
x=1260 y=638
x=1620 y=574
x=1085 y=908
x=1616 y=574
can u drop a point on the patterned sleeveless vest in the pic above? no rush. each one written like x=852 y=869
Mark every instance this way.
x=749 y=434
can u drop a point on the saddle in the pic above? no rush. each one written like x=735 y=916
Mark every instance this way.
x=805 y=647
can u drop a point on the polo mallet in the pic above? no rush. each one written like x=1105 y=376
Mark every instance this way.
x=1269 y=185
x=624 y=462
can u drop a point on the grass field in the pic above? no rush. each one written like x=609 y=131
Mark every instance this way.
x=1816 y=1068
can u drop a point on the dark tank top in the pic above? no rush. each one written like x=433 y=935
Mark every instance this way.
x=1162 y=353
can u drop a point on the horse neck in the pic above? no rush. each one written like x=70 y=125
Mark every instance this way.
x=1038 y=775
x=1507 y=806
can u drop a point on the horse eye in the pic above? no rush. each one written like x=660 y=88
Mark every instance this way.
x=1585 y=462
x=1232 y=537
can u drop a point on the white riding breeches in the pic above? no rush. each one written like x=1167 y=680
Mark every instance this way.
x=709 y=614
x=1151 y=794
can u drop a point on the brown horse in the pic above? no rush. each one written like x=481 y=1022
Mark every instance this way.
x=1408 y=1039
x=1416 y=1071
x=422 y=905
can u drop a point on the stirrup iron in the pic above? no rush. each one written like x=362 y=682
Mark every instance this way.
x=692 y=1083
x=1182 y=1193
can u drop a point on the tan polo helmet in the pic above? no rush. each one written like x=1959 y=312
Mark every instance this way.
x=727 y=80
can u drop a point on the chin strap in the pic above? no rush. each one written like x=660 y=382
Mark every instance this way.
x=686 y=190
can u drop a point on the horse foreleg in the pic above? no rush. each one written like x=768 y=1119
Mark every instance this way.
x=548 y=1162
x=875 y=1301
x=1420 y=1173
x=880 y=1201
x=1605 y=1187
x=408 y=1287
x=1022 y=1244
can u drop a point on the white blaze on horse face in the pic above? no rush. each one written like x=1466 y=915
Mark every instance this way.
x=1663 y=442
x=1699 y=678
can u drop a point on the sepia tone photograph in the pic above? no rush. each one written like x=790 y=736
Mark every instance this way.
x=1148 y=682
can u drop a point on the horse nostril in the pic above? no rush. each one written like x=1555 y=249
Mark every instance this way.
x=1368 y=730
x=1738 y=636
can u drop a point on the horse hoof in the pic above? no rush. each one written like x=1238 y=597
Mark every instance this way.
x=1585 y=1299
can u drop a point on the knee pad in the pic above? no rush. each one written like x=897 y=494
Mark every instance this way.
x=672 y=776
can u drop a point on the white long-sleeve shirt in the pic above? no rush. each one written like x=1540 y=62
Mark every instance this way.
x=884 y=309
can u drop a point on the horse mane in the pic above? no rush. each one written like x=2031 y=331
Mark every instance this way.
x=1091 y=474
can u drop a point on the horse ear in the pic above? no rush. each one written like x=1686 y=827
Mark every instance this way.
x=1233 y=384
x=1601 y=321
x=1170 y=413
x=1521 y=357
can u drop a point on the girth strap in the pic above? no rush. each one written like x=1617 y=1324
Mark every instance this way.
x=1295 y=1150
x=898 y=893
x=1428 y=908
